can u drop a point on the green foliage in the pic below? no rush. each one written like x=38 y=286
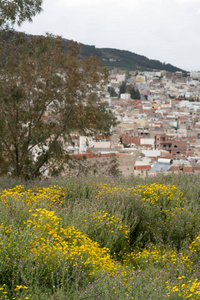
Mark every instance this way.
x=47 y=95
x=126 y=60
x=135 y=94
x=132 y=61
x=129 y=88
x=112 y=92
x=18 y=11
x=123 y=88
x=87 y=214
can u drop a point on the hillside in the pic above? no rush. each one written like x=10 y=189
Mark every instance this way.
x=123 y=59
x=115 y=58
x=126 y=59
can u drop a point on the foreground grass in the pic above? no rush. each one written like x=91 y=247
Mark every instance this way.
x=100 y=238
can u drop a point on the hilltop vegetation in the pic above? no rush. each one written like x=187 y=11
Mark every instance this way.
x=100 y=238
x=115 y=58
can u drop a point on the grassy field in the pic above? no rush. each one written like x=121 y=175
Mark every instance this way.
x=100 y=238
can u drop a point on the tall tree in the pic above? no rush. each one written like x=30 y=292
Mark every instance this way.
x=129 y=88
x=135 y=94
x=47 y=95
x=18 y=11
x=122 y=87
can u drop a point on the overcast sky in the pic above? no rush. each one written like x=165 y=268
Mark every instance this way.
x=166 y=30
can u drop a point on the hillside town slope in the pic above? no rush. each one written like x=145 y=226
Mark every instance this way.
x=160 y=132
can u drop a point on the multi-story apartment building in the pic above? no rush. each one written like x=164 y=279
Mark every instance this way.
x=171 y=144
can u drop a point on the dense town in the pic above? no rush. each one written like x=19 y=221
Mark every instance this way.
x=159 y=132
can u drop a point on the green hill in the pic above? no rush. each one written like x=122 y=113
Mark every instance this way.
x=123 y=59
x=115 y=58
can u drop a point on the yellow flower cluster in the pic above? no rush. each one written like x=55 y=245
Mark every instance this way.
x=49 y=242
x=159 y=194
x=41 y=197
x=195 y=245
x=187 y=290
x=105 y=189
x=19 y=287
x=156 y=255
x=55 y=193
x=153 y=194
x=4 y=293
x=53 y=241
x=111 y=223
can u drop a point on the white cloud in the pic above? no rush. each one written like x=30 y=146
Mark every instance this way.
x=80 y=3
x=187 y=1
x=167 y=30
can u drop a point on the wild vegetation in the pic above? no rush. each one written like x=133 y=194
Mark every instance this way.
x=100 y=238
x=115 y=58
x=81 y=237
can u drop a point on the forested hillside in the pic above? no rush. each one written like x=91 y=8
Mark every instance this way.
x=115 y=58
